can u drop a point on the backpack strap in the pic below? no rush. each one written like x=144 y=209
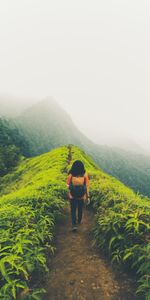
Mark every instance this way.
x=70 y=180
x=84 y=180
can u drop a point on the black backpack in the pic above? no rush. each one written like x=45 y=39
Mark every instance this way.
x=77 y=191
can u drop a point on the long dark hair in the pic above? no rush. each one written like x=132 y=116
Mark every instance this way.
x=77 y=168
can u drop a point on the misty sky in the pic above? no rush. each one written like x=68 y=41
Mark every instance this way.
x=92 y=56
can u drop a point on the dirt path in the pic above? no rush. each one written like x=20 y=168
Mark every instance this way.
x=79 y=272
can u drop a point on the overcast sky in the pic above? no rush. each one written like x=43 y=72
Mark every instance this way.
x=92 y=56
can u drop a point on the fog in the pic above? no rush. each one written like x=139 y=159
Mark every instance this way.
x=93 y=57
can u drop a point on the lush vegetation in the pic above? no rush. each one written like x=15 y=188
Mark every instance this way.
x=122 y=226
x=32 y=200
x=46 y=126
x=130 y=168
x=12 y=145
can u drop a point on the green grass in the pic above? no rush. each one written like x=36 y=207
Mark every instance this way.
x=122 y=226
x=32 y=199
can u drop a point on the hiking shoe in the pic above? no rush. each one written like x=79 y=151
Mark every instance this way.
x=74 y=228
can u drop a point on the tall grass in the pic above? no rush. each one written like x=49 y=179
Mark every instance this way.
x=122 y=228
x=33 y=198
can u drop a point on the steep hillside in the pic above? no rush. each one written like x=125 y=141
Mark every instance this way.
x=12 y=145
x=31 y=202
x=46 y=126
x=131 y=168
x=33 y=199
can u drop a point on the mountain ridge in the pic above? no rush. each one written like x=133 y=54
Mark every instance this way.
x=46 y=125
x=33 y=198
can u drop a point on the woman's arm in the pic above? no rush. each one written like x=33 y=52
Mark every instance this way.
x=68 y=180
x=68 y=183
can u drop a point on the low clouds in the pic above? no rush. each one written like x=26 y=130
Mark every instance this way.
x=93 y=57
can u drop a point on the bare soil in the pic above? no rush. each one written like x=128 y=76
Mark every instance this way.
x=78 y=271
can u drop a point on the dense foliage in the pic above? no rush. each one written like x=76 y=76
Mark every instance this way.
x=122 y=226
x=122 y=229
x=32 y=199
x=130 y=168
x=47 y=126
x=12 y=145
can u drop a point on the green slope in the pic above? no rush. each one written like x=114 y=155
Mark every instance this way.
x=32 y=175
x=130 y=168
x=12 y=145
x=34 y=197
x=46 y=125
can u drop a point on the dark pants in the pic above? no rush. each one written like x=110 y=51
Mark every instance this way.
x=76 y=203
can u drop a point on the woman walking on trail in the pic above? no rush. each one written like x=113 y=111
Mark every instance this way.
x=77 y=182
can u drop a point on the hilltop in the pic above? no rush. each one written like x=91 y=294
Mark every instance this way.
x=33 y=199
x=46 y=126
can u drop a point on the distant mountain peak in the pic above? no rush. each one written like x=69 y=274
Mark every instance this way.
x=47 y=110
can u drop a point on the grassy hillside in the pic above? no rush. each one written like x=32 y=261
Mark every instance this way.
x=122 y=226
x=12 y=145
x=131 y=168
x=46 y=126
x=33 y=197
x=31 y=201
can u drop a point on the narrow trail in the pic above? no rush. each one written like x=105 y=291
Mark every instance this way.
x=79 y=272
